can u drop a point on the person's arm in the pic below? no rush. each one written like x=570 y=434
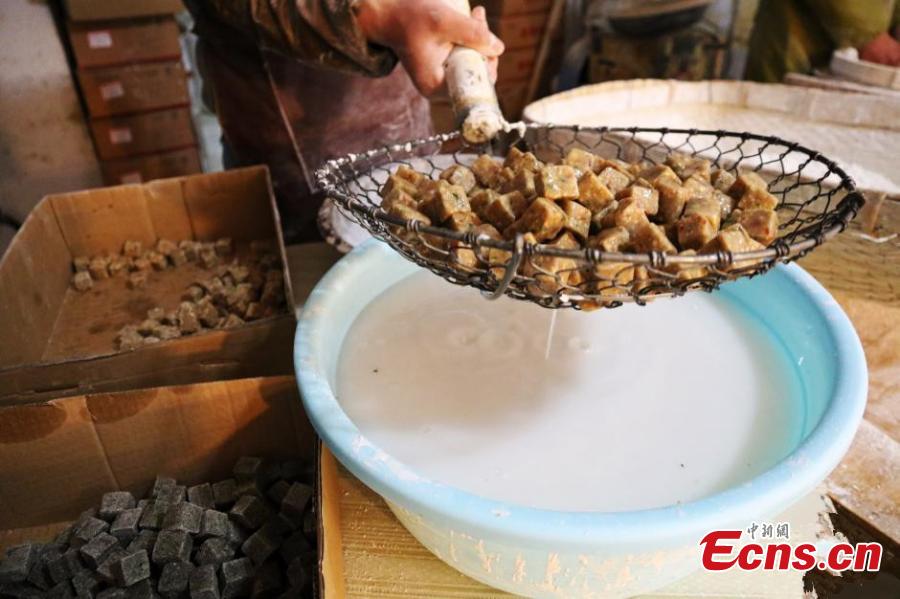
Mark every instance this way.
x=362 y=35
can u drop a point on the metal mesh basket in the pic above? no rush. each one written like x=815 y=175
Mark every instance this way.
x=817 y=201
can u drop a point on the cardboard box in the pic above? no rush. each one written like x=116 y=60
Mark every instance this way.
x=123 y=136
x=134 y=88
x=110 y=43
x=94 y=10
x=59 y=342
x=85 y=446
x=502 y=8
x=516 y=65
x=442 y=118
x=126 y=171
x=519 y=31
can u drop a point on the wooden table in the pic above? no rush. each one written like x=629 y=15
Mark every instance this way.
x=367 y=552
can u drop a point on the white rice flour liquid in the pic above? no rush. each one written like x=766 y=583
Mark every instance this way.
x=632 y=408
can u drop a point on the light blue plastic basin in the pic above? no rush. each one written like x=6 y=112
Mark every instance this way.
x=545 y=553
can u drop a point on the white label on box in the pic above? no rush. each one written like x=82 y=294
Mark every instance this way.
x=99 y=39
x=120 y=136
x=112 y=90
x=131 y=178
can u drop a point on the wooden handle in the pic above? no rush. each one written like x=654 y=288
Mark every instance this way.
x=472 y=94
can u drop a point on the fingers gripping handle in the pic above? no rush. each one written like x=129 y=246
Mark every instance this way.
x=471 y=91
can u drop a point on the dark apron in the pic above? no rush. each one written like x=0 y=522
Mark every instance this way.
x=292 y=117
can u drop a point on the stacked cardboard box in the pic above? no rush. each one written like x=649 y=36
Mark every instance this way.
x=520 y=24
x=134 y=85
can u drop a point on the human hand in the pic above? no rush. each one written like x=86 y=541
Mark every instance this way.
x=884 y=49
x=424 y=32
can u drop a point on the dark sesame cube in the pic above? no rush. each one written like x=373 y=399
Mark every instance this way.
x=278 y=491
x=132 y=569
x=260 y=545
x=214 y=524
x=38 y=576
x=85 y=584
x=237 y=534
x=248 y=469
x=172 y=546
x=64 y=566
x=225 y=493
x=18 y=563
x=248 y=487
x=173 y=582
x=113 y=593
x=105 y=569
x=162 y=484
x=294 y=470
x=214 y=551
x=142 y=590
x=296 y=500
x=297 y=574
x=115 y=503
x=310 y=526
x=87 y=529
x=250 y=512
x=144 y=540
x=96 y=550
x=154 y=514
x=294 y=547
x=185 y=517
x=268 y=581
x=65 y=535
x=125 y=526
x=172 y=494
x=237 y=578
x=19 y=590
x=203 y=583
x=201 y=495
x=61 y=591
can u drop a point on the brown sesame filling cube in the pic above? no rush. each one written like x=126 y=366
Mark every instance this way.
x=543 y=218
x=464 y=258
x=505 y=209
x=486 y=170
x=558 y=182
x=593 y=193
x=613 y=278
x=652 y=238
x=757 y=198
x=398 y=196
x=705 y=206
x=722 y=180
x=613 y=239
x=733 y=239
x=672 y=199
x=745 y=182
x=659 y=172
x=578 y=219
x=761 y=224
x=644 y=194
x=395 y=181
x=630 y=216
x=551 y=273
x=517 y=160
x=687 y=272
x=447 y=200
x=525 y=183
x=614 y=179
x=686 y=166
x=463 y=222
x=726 y=204
x=408 y=213
x=698 y=188
x=410 y=174
x=695 y=231
x=459 y=175
x=581 y=160
x=99 y=268
x=481 y=199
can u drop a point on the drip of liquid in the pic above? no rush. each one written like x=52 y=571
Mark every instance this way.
x=550 y=330
x=634 y=408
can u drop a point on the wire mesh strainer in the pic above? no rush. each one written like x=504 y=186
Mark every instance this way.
x=817 y=201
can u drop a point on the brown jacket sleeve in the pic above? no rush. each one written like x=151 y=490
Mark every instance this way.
x=320 y=31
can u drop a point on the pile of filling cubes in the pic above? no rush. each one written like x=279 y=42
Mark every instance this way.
x=252 y=535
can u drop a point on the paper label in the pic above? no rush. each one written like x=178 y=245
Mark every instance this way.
x=112 y=90
x=120 y=136
x=99 y=39
x=128 y=178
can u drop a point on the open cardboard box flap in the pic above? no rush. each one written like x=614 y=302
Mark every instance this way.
x=57 y=459
x=58 y=341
